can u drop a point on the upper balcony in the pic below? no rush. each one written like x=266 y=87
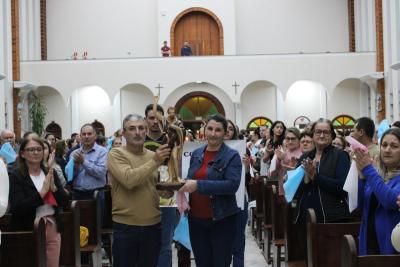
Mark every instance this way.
x=282 y=70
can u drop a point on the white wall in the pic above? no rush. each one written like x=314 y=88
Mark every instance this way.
x=103 y=28
x=305 y=98
x=205 y=87
x=346 y=99
x=94 y=104
x=134 y=99
x=258 y=99
x=135 y=28
x=290 y=26
x=168 y=10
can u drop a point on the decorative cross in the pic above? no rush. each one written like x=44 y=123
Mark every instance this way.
x=159 y=87
x=236 y=86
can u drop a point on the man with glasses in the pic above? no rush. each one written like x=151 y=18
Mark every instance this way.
x=136 y=212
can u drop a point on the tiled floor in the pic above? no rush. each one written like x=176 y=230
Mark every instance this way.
x=253 y=255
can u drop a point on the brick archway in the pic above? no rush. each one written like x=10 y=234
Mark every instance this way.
x=201 y=10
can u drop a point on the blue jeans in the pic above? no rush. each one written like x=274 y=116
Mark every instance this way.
x=136 y=246
x=240 y=238
x=212 y=241
x=168 y=223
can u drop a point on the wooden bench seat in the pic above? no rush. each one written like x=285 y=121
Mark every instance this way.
x=350 y=257
x=324 y=240
x=23 y=248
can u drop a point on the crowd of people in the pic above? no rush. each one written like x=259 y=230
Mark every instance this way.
x=144 y=218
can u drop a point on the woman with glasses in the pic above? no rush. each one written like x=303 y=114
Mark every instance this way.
x=36 y=192
x=287 y=156
x=326 y=169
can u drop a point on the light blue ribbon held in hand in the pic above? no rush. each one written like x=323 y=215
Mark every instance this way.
x=293 y=181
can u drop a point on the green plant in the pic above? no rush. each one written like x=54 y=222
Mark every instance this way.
x=37 y=113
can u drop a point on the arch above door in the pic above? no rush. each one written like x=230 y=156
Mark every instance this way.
x=193 y=108
x=204 y=37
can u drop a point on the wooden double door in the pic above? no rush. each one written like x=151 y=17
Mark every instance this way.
x=202 y=33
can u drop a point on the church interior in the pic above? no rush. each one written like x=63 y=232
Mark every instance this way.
x=294 y=61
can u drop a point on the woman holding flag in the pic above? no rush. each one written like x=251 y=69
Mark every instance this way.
x=36 y=192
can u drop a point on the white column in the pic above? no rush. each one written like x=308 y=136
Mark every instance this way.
x=391 y=35
x=29 y=15
x=117 y=116
x=74 y=108
x=238 y=115
x=364 y=16
x=323 y=109
x=280 y=104
x=6 y=100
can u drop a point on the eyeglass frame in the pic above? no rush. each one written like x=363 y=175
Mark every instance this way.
x=32 y=150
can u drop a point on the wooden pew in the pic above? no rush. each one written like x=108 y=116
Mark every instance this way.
x=324 y=240
x=350 y=257
x=294 y=245
x=268 y=218
x=106 y=229
x=23 y=248
x=70 y=253
x=90 y=217
x=277 y=216
x=257 y=214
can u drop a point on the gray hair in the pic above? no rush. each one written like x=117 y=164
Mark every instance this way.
x=132 y=117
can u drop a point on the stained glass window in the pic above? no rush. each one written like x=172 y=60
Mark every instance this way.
x=197 y=108
x=343 y=122
x=257 y=122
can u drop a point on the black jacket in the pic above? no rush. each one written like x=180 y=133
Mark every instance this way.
x=327 y=186
x=24 y=199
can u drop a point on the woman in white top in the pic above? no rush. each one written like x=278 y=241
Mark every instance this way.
x=36 y=192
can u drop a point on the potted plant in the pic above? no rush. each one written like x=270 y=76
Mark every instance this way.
x=37 y=113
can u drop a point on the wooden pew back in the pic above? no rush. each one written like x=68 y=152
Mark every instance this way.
x=90 y=217
x=324 y=240
x=24 y=248
x=70 y=254
x=350 y=257
x=277 y=214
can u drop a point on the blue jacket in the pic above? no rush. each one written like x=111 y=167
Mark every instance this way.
x=223 y=179
x=387 y=213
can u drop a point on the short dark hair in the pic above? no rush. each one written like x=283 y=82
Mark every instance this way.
x=322 y=120
x=396 y=124
x=367 y=125
x=88 y=125
x=73 y=135
x=218 y=118
x=150 y=107
x=306 y=133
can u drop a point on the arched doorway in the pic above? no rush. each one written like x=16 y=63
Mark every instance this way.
x=201 y=28
x=54 y=129
x=194 y=108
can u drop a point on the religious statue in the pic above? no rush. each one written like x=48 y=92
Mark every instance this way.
x=174 y=137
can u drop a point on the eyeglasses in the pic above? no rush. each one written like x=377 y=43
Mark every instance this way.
x=319 y=132
x=306 y=141
x=32 y=150
x=290 y=139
